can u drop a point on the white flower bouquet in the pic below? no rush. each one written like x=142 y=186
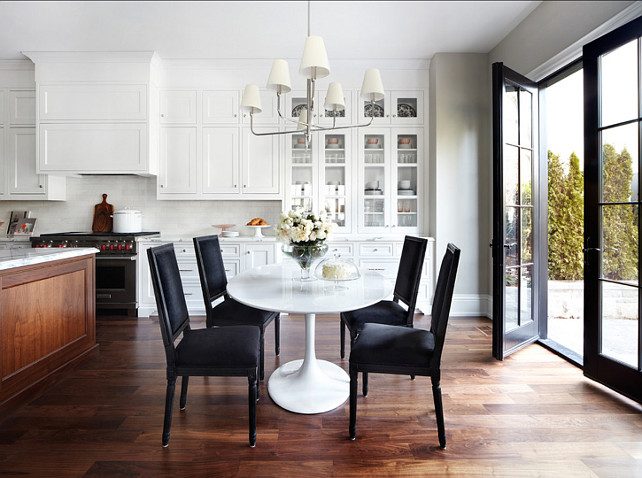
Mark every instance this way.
x=304 y=228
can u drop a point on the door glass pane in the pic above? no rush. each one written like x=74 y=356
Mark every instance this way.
x=527 y=235
x=619 y=84
x=526 y=175
x=511 y=249
x=620 y=243
x=619 y=163
x=619 y=324
x=511 y=174
x=512 y=298
x=526 y=295
x=510 y=114
x=525 y=117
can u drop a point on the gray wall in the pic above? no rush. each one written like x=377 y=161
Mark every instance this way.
x=459 y=168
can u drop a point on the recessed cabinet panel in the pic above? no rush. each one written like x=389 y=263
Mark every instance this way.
x=88 y=148
x=22 y=108
x=178 y=107
x=22 y=163
x=220 y=160
x=220 y=107
x=2 y=163
x=260 y=169
x=258 y=255
x=269 y=114
x=2 y=102
x=178 y=161
x=93 y=102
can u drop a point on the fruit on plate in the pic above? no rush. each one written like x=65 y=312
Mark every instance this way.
x=257 y=221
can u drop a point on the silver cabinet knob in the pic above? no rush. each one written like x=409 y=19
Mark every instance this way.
x=162 y=115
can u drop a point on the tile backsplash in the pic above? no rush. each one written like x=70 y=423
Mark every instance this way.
x=171 y=218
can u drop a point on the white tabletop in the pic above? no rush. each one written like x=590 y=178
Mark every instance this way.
x=275 y=287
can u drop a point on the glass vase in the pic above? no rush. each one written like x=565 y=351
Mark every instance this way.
x=305 y=255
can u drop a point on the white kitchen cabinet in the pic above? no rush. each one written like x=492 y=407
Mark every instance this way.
x=220 y=107
x=178 y=107
x=221 y=165
x=402 y=108
x=92 y=102
x=2 y=110
x=21 y=106
x=3 y=174
x=296 y=100
x=258 y=254
x=178 y=161
x=269 y=114
x=260 y=168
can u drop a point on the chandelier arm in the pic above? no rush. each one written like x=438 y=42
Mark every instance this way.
x=274 y=133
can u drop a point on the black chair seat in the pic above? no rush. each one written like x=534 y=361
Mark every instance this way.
x=379 y=344
x=383 y=312
x=229 y=347
x=230 y=312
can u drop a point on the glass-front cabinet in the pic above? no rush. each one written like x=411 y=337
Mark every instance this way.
x=397 y=108
x=303 y=177
x=389 y=180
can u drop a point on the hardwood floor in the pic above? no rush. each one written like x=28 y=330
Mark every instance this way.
x=533 y=415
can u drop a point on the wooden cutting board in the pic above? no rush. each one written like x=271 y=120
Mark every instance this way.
x=103 y=221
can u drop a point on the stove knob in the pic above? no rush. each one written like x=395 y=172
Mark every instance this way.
x=128 y=247
x=119 y=247
x=103 y=247
x=36 y=245
x=111 y=247
x=61 y=245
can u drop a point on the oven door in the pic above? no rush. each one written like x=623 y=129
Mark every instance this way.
x=116 y=282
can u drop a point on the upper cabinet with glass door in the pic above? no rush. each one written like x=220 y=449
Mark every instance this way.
x=335 y=151
x=296 y=101
x=397 y=108
x=374 y=180
x=302 y=172
x=407 y=146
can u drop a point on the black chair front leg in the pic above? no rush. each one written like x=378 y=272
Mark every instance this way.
x=439 y=410
x=252 y=398
x=184 y=383
x=261 y=352
x=169 y=406
x=343 y=339
x=364 y=377
x=277 y=335
x=354 y=377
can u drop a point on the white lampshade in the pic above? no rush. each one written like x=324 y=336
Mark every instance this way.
x=251 y=100
x=303 y=119
x=314 y=63
x=279 y=79
x=334 y=100
x=372 y=88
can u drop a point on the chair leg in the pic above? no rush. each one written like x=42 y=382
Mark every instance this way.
x=354 y=377
x=343 y=340
x=365 y=383
x=169 y=405
x=412 y=377
x=184 y=382
x=277 y=334
x=439 y=411
x=252 y=392
x=261 y=353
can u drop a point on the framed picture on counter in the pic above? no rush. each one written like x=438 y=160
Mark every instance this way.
x=24 y=227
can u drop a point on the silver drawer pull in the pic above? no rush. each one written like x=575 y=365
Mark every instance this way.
x=188 y=293
x=375 y=269
x=228 y=270
x=375 y=250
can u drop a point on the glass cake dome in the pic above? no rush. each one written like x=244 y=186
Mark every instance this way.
x=336 y=268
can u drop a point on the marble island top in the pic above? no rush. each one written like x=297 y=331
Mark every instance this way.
x=11 y=258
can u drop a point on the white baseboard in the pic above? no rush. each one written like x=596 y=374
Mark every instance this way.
x=471 y=305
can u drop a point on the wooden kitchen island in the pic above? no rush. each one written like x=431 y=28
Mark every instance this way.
x=47 y=313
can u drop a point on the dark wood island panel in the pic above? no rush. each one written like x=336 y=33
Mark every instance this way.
x=47 y=319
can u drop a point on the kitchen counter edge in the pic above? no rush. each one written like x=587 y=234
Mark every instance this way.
x=13 y=258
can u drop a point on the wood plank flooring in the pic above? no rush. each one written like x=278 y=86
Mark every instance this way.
x=533 y=415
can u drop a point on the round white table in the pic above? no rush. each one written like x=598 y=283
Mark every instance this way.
x=307 y=385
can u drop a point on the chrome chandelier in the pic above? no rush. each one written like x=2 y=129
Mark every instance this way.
x=314 y=66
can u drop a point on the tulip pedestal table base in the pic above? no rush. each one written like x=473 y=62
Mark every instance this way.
x=309 y=385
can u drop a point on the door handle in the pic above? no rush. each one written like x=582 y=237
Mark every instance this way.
x=589 y=249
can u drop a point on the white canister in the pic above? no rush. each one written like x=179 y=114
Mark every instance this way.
x=128 y=220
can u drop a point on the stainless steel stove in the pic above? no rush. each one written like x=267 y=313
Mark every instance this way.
x=115 y=264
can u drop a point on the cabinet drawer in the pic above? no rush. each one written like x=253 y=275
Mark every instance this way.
x=188 y=270
x=376 y=249
x=231 y=268
x=230 y=250
x=345 y=250
x=192 y=291
x=387 y=268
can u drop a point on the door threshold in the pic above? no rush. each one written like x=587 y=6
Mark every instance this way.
x=564 y=352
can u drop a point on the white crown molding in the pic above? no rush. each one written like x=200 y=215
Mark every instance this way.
x=91 y=56
x=16 y=65
x=574 y=51
x=263 y=64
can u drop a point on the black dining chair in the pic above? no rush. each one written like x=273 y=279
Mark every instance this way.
x=228 y=312
x=391 y=349
x=391 y=312
x=227 y=351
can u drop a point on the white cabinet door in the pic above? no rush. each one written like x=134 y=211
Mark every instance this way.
x=407 y=107
x=221 y=161
x=255 y=255
x=326 y=118
x=21 y=170
x=260 y=165
x=3 y=177
x=93 y=148
x=22 y=108
x=178 y=107
x=2 y=102
x=269 y=113
x=220 y=107
x=92 y=102
x=178 y=160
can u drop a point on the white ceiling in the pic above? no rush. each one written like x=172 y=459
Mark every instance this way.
x=249 y=30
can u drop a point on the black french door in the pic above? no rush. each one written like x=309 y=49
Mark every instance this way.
x=515 y=215
x=612 y=135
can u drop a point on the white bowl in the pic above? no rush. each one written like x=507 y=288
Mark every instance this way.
x=404 y=184
x=372 y=185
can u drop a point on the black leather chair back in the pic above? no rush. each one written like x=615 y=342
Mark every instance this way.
x=170 y=300
x=210 y=267
x=443 y=299
x=409 y=273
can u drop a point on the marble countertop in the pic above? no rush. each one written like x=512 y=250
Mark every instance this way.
x=11 y=258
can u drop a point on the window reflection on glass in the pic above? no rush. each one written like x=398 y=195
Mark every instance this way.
x=620 y=164
x=510 y=114
x=511 y=174
x=525 y=117
x=512 y=298
x=511 y=249
x=526 y=177
x=619 y=84
x=527 y=235
x=620 y=242
x=526 y=295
